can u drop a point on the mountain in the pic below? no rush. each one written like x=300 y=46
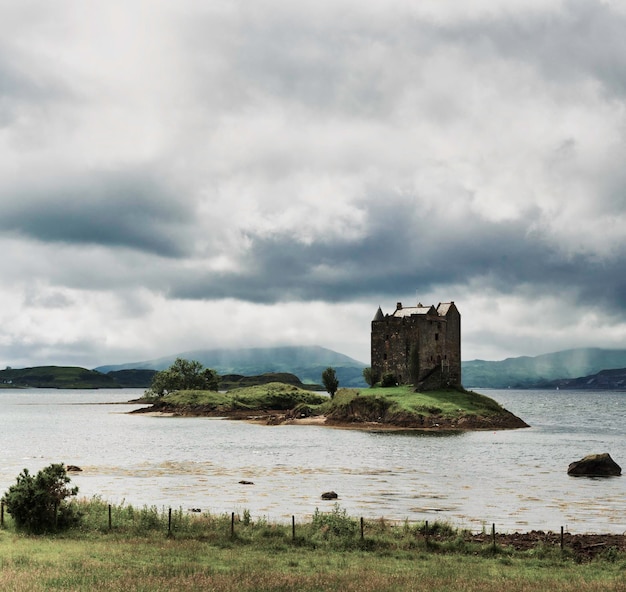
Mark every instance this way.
x=536 y=372
x=306 y=362
x=614 y=380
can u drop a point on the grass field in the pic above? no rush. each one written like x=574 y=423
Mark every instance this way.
x=147 y=550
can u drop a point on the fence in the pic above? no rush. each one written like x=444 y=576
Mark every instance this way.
x=426 y=531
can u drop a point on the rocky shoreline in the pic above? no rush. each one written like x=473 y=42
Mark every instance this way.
x=497 y=421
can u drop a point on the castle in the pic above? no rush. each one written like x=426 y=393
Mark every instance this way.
x=418 y=345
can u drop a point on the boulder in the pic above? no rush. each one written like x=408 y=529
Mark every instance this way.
x=73 y=469
x=329 y=495
x=595 y=465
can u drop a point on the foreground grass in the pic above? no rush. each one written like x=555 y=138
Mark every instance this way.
x=144 y=551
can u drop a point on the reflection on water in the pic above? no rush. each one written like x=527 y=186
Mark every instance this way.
x=516 y=479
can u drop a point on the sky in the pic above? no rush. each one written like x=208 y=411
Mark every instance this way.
x=218 y=173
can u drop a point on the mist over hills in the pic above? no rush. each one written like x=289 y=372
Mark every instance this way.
x=306 y=362
x=583 y=368
x=541 y=371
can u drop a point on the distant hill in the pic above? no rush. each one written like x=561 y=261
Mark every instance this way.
x=306 y=362
x=536 y=372
x=614 y=380
x=61 y=377
x=132 y=378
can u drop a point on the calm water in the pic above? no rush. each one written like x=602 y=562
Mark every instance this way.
x=516 y=479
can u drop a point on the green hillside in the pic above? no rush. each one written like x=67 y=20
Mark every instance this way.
x=61 y=377
x=307 y=363
x=529 y=372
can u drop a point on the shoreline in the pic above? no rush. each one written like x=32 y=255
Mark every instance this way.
x=504 y=421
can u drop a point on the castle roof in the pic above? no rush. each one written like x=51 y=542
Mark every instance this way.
x=414 y=310
x=444 y=307
x=379 y=315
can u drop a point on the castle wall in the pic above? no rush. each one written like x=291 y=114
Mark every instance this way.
x=421 y=348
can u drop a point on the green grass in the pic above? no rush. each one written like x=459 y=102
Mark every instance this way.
x=397 y=406
x=271 y=396
x=378 y=402
x=199 y=552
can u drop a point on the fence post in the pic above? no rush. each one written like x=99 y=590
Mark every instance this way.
x=426 y=532
x=362 y=529
x=2 y=515
x=493 y=535
x=232 y=524
x=293 y=528
x=169 y=522
x=110 y=521
x=561 y=538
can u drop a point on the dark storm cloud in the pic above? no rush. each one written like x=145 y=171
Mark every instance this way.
x=132 y=210
x=404 y=253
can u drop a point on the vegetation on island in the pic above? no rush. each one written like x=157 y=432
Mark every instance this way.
x=330 y=381
x=377 y=407
x=183 y=375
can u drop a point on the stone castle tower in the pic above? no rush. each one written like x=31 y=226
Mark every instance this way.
x=418 y=345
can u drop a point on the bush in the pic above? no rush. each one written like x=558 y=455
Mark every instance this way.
x=389 y=380
x=37 y=503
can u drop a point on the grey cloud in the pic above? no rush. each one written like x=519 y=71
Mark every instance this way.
x=584 y=39
x=401 y=252
x=131 y=209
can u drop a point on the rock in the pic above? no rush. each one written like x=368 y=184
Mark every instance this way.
x=243 y=482
x=329 y=495
x=73 y=469
x=595 y=465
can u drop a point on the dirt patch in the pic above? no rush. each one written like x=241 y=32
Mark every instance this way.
x=584 y=547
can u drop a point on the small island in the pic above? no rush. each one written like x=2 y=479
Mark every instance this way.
x=414 y=378
x=391 y=408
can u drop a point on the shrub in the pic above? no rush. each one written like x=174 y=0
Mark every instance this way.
x=336 y=523
x=37 y=503
x=388 y=380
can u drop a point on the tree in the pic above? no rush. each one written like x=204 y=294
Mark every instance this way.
x=184 y=375
x=368 y=375
x=331 y=383
x=37 y=503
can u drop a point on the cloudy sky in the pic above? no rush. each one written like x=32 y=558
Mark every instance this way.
x=218 y=173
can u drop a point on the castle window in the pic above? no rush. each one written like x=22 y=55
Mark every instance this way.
x=384 y=356
x=436 y=336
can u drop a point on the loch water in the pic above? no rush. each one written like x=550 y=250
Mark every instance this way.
x=516 y=479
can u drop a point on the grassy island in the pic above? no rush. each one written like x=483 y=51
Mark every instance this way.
x=398 y=407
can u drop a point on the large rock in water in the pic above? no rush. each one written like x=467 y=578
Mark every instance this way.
x=595 y=465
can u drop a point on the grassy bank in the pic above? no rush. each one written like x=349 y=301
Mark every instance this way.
x=394 y=407
x=144 y=550
x=272 y=396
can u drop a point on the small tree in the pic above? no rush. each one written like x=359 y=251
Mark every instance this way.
x=184 y=375
x=368 y=375
x=330 y=381
x=37 y=503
